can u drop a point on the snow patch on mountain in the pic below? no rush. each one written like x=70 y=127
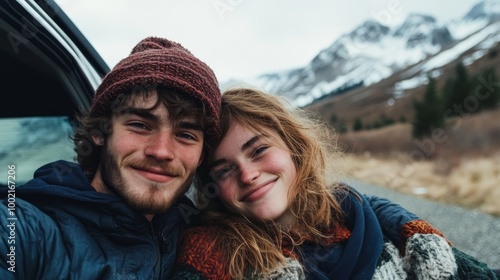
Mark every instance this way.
x=449 y=55
x=373 y=52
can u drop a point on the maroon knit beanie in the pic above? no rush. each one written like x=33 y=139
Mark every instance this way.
x=160 y=62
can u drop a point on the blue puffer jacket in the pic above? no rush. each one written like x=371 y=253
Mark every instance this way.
x=61 y=228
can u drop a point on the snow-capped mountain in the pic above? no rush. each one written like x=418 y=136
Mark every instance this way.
x=373 y=52
x=489 y=10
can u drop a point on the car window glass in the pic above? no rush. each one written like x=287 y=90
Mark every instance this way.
x=31 y=142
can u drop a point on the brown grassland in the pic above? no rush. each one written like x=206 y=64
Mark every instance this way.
x=458 y=165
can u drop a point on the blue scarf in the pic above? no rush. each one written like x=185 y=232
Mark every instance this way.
x=358 y=257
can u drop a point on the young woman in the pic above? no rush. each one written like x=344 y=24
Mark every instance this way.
x=280 y=213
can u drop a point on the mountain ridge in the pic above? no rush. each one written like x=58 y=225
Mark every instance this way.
x=373 y=52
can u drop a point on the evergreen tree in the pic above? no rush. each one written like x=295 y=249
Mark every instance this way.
x=333 y=119
x=447 y=93
x=486 y=89
x=338 y=124
x=460 y=89
x=428 y=112
x=387 y=121
x=358 y=125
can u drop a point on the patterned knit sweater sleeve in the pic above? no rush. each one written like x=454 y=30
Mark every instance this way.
x=422 y=250
x=199 y=257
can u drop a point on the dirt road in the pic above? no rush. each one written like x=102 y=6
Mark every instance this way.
x=473 y=232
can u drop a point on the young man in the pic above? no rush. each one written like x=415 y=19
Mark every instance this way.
x=116 y=214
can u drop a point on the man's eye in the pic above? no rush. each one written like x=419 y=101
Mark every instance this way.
x=138 y=125
x=187 y=136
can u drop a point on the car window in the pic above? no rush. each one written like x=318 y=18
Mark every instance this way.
x=48 y=73
x=31 y=142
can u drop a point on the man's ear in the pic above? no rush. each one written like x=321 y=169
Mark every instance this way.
x=98 y=139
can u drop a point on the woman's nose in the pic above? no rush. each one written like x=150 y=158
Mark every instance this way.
x=248 y=173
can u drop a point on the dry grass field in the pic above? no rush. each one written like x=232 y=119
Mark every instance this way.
x=458 y=165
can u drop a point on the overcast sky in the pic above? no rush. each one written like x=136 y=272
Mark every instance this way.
x=241 y=38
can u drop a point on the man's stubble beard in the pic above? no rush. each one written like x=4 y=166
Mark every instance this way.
x=113 y=179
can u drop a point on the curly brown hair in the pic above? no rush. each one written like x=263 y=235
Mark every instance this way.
x=179 y=105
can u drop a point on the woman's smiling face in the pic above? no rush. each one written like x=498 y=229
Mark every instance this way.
x=255 y=172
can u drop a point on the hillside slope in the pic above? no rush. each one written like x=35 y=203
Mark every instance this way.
x=462 y=168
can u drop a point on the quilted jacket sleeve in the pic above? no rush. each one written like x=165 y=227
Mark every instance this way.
x=30 y=240
x=391 y=217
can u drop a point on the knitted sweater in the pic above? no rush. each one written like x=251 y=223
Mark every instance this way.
x=415 y=251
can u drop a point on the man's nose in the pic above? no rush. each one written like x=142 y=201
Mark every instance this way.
x=161 y=146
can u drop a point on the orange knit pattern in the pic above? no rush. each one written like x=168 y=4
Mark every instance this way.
x=417 y=226
x=198 y=251
x=338 y=235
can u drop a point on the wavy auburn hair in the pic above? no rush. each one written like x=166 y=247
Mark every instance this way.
x=256 y=246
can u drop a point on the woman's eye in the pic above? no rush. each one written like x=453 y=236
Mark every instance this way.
x=222 y=173
x=259 y=150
